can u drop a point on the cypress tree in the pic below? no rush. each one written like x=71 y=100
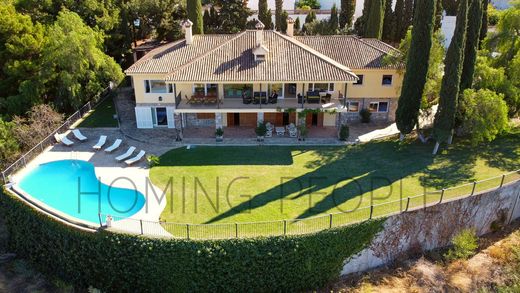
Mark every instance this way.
x=360 y=24
x=416 y=67
x=398 y=19
x=389 y=22
x=347 y=13
x=374 y=27
x=297 y=25
x=333 y=21
x=471 y=47
x=484 y=27
x=438 y=16
x=278 y=15
x=445 y=116
x=284 y=16
x=264 y=14
x=407 y=18
x=194 y=11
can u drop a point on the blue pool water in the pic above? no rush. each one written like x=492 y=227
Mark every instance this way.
x=56 y=185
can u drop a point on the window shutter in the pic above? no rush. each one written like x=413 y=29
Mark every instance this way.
x=169 y=115
x=143 y=117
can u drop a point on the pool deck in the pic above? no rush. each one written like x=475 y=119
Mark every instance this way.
x=112 y=173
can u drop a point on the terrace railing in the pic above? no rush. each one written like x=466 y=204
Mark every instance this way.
x=308 y=225
x=49 y=139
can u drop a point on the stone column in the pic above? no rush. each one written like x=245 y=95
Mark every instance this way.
x=260 y=117
x=218 y=120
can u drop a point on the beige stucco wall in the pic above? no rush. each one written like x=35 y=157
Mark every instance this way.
x=149 y=98
x=329 y=119
x=372 y=87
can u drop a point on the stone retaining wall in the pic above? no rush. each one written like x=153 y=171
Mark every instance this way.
x=433 y=227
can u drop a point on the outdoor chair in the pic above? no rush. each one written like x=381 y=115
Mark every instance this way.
x=101 y=142
x=114 y=146
x=273 y=99
x=135 y=159
x=63 y=139
x=247 y=100
x=301 y=99
x=293 y=132
x=79 y=135
x=326 y=99
x=126 y=155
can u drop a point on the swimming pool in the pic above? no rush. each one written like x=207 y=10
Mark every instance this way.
x=71 y=187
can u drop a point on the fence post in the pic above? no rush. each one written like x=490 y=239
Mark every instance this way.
x=371 y=211
x=442 y=195
x=474 y=186
x=100 y=221
x=502 y=181
x=407 y=204
x=141 y=223
x=284 y=227
x=236 y=230
x=330 y=221
x=188 y=231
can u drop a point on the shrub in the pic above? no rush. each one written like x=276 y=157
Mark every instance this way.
x=219 y=132
x=465 y=244
x=304 y=131
x=365 y=115
x=153 y=161
x=344 y=132
x=130 y=263
x=261 y=129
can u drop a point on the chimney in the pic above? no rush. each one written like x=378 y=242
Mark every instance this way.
x=290 y=27
x=259 y=33
x=188 y=35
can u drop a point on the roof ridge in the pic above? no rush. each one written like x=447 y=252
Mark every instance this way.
x=317 y=53
x=368 y=44
x=205 y=54
x=147 y=55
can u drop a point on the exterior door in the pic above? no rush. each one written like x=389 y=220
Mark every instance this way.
x=248 y=119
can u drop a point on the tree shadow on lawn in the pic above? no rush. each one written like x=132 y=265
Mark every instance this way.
x=373 y=165
x=504 y=152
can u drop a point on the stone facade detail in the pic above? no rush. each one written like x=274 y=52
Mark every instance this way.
x=193 y=121
x=260 y=117
x=218 y=120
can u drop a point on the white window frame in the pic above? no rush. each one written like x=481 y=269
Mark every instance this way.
x=148 y=85
x=154 y=117
x=391 y=81
x=348 y=106
x=205 y=88
x=378 y=102
x=328 y=86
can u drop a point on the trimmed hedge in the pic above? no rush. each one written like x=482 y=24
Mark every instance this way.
x=122 y=263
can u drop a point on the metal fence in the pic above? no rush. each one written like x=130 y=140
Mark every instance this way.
x=306 y=225
x=50 y=140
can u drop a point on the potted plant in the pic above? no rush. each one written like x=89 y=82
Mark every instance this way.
x=344 y=132
x=219 y=134
x=260 y=131
x=365 y=115
x=303 y=132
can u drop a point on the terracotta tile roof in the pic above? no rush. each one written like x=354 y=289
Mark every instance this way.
x=287 y=60
x=352 y=51
x=166 y=58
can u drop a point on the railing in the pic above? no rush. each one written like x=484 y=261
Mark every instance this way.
x=307 y=225
x=50 y=140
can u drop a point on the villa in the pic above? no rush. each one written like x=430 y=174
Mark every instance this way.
x=229 y=80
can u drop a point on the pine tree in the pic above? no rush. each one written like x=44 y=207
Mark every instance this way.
x=438 y=16
x=388 y=24
x=398 y=20
x=472 y=41
x=445 y=116
x=416 y=67
x=194 y=10
x=374 y=27
x=278 y=15
x=360 y=24
x=264 y=14
x=333 y=21
x=347 y=13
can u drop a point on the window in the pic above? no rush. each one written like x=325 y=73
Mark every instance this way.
x=353 y=106
x=199 y=89
x=170 y=88
x=278 y=87
x=290 y=90
x=161 y=117
x=260 y=57
x=387 y=80
x=321 y=87
x=360 y=80
x=378 y=107
x=156 y=87
x=236 y=90
x=212 y=89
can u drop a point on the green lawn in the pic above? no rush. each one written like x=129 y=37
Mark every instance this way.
x=249 y=184
x=101 y=116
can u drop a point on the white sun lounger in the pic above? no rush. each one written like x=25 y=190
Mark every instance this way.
x=100 y=143
x=113 y=147
x=139 y=156
x=63 y=139
x=79 y=135
x=125 y=155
